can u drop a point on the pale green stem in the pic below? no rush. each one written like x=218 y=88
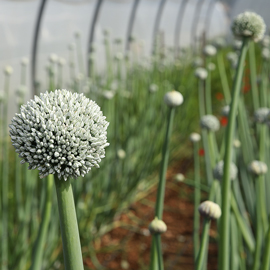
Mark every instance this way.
x=262 y=197
x=223 y=78
x=162 y=181
x=68 y=224
x=201 y=97
x=202 y=256
x=226 y=182
x=208 y=96
x=197 y=199
x=259 y=228
x=38 y=251
x=266 y=257
x=5 y=181
x=253 y=76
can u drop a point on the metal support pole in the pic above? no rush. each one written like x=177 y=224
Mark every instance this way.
x=131 y=23
x=209 y=13
x=157 y=23
x=34 y=48
x=178 y=26
x=195 y=22
x=92 y=33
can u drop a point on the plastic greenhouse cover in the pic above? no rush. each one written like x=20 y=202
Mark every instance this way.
x=62 y=18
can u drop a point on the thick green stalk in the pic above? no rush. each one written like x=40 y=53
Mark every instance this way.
x=43 y=229
x=164 y=165
x=266 y=257
x=208 y=96
x=5 y=181
x=259 y=228
x=253 y=76
x=161 y=184
x=68 y=224
x=201 y=98
x=204 y=244
x=223 y=78
x=197 y=199
x=159 y=251
x=262 y=197
x=226 y=182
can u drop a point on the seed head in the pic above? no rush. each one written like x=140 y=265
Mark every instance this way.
x=266 y=41
x=257 y=167
x=173 y=98
x=157 y=226
x=249 y=24
x=225 y=110
x=210 y=122
x=211 y=66
x=8 y=70
x=121 y=154
x=201 y=73
x=265 y=54
x=179 y=177
x=198 y=62
x=153 y=88
x=219 y=170
x=195 y=137
x=210 y=210
x=261 y=115
x=210 y=50
x=24 y=61
x=60 y=133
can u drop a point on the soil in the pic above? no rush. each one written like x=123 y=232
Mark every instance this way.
x=128 y=247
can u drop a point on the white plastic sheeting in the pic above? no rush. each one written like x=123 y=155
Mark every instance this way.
x=61 y=19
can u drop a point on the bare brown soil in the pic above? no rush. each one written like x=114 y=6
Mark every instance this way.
x=128 y=247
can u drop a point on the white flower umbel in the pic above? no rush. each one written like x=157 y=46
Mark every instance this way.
x=210 y=122
x=8 y=70
x=195 y=137
x=210 y=210
x=210 y=50
x=60 y=133
x=173 y=98
x=225 y=110
x=219 y=171
x=201 y=73
x=211 y=66
x=153 y=88
x=249 y=24
x=258 y=167
x=261 y=115
x=157 y=226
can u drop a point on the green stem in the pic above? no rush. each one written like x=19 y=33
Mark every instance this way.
x=162 y=181
x=259 y=228
x=201 y=97
x=253 y=76
x=223 y=78
x=266 y=257
x=43 y=229
x=159 y=251
x=226 y=182
x=5 y=181
x=208 y=99
x=68 y=224
x=204 y=244
x=164 y=165
x=197 y=198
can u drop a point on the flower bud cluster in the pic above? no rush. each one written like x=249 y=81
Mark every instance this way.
x=258 y=167
x=60 y=133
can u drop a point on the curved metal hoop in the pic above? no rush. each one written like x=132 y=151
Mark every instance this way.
x=34 y=48
x=92 y=34
x=157 y=23
x=178 y=26
x=131 y=23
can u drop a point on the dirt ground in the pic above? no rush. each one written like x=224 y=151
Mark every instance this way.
x=128 y=247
